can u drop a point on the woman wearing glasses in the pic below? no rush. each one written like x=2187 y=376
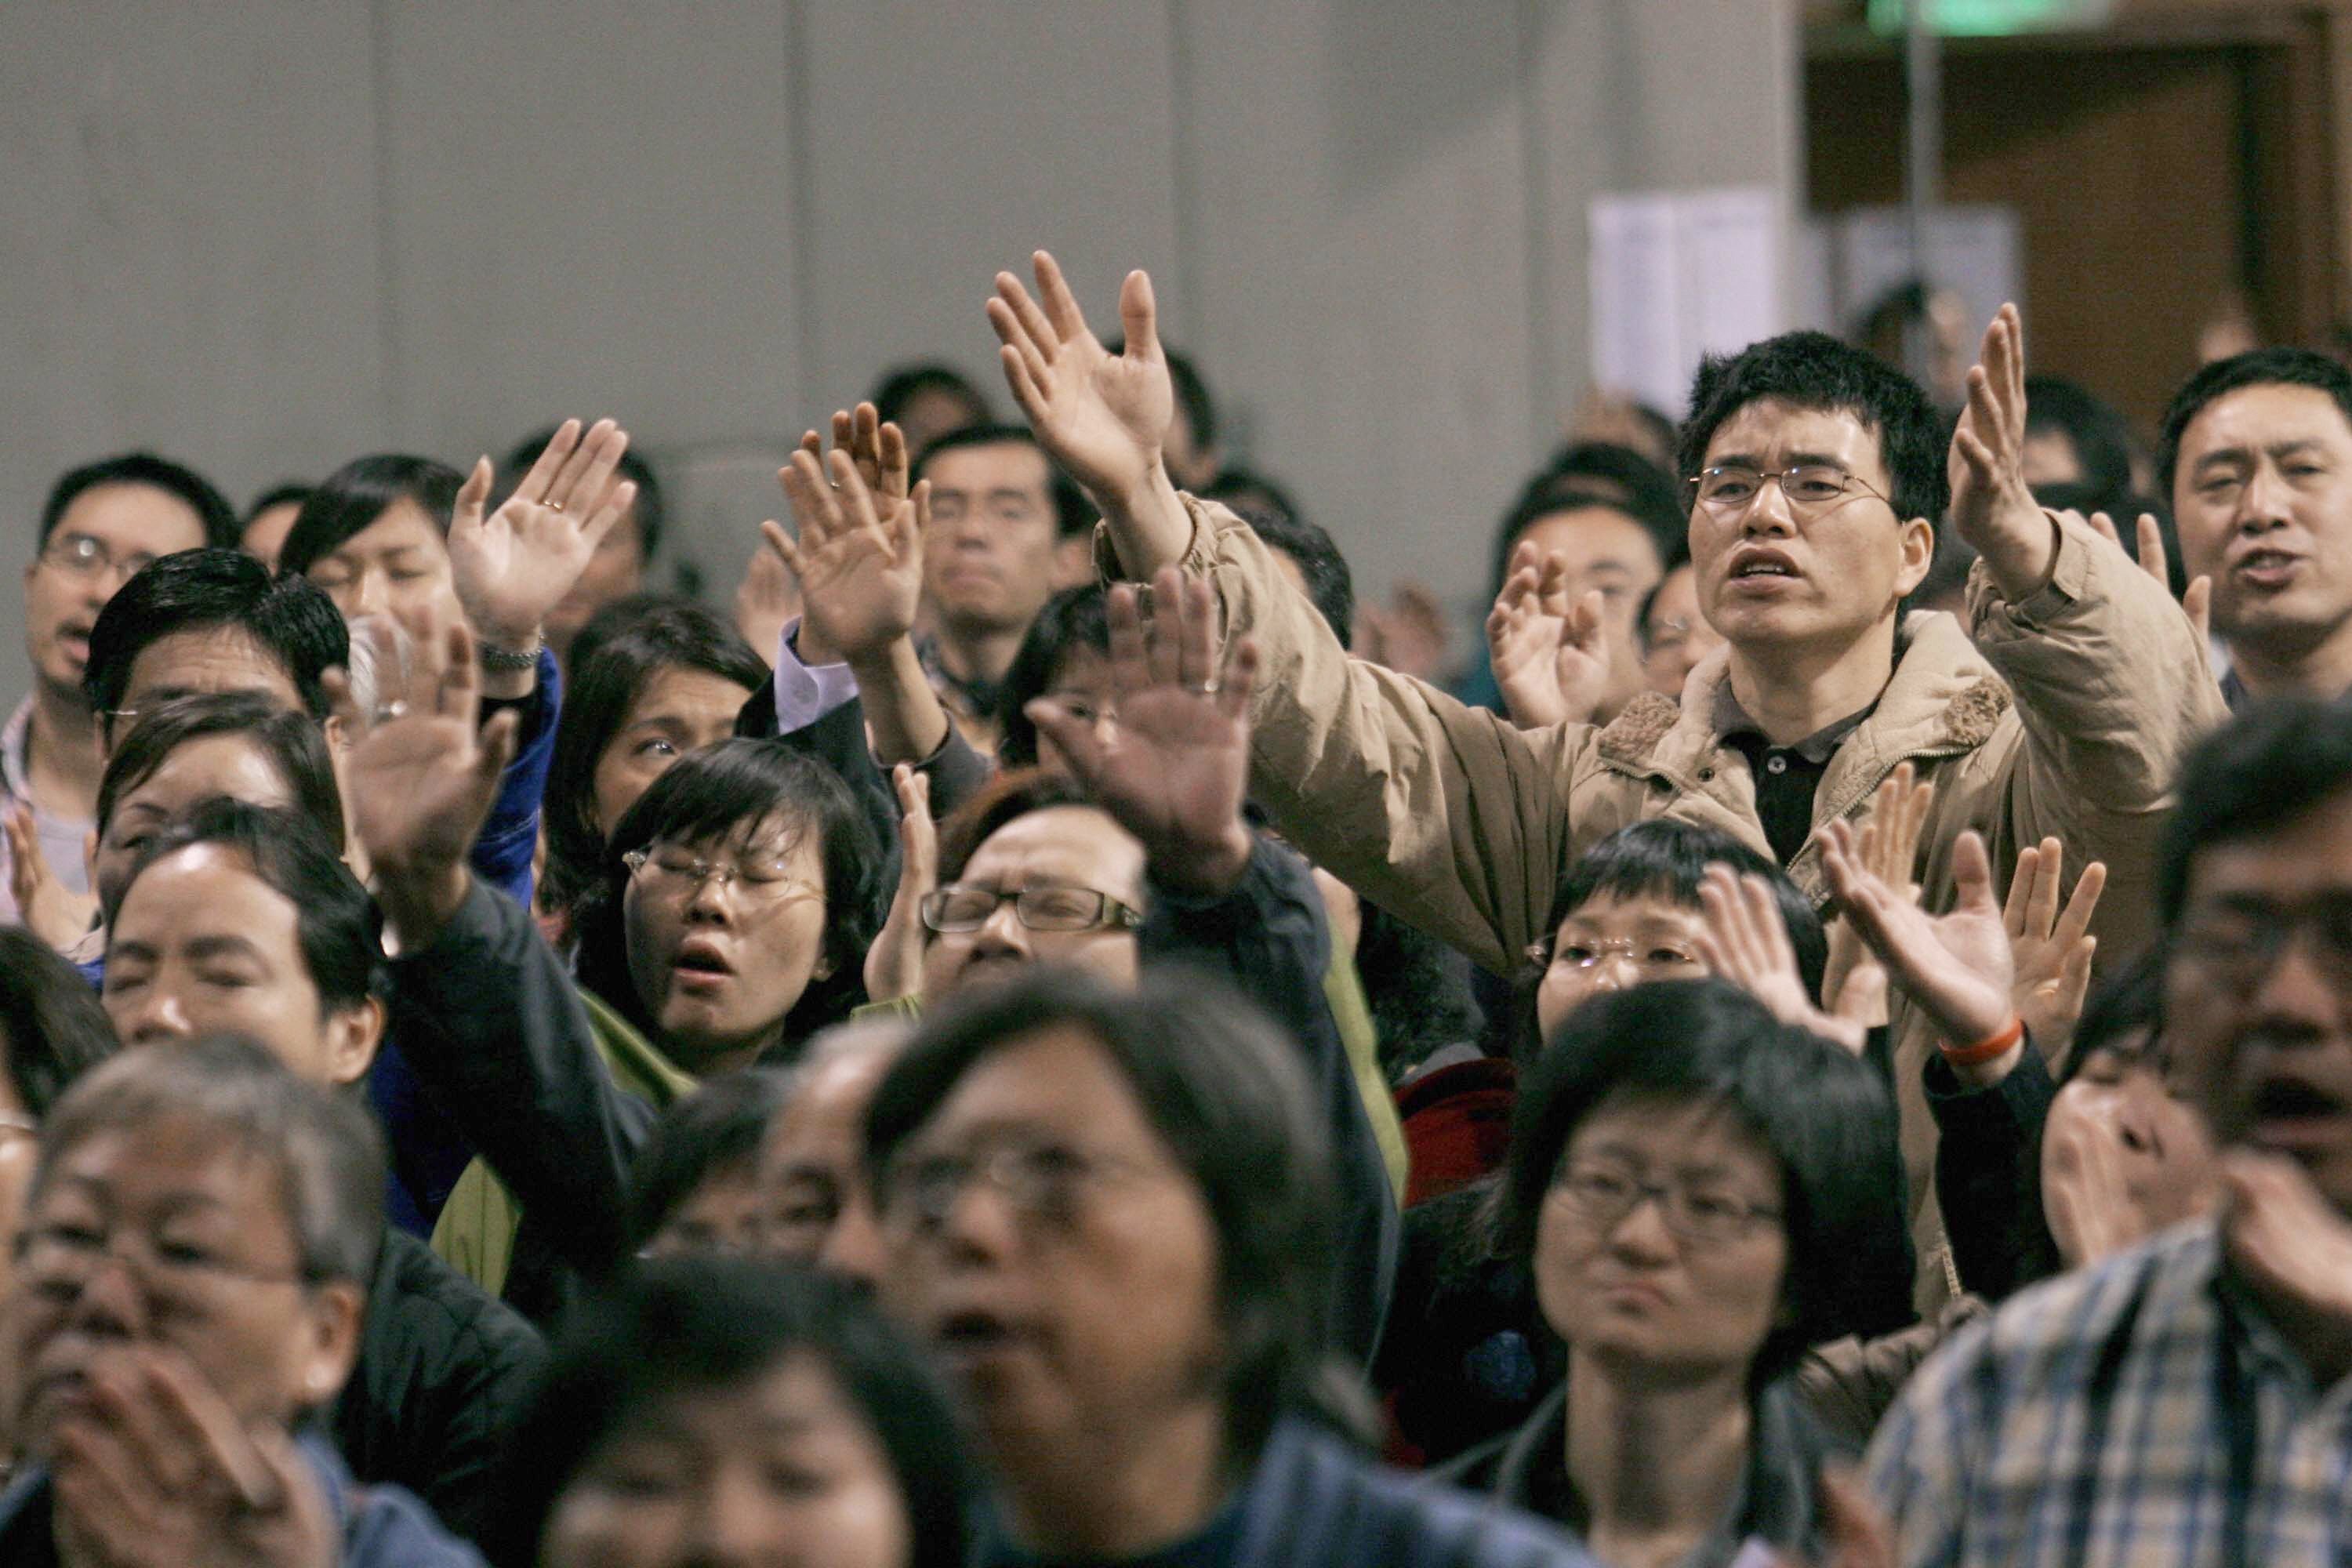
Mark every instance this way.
x=1699 y=1193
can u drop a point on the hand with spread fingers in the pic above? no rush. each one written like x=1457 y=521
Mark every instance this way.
x=1549 y=654
x=513 y=565
x=1993 y=508
x=1957 y=966
x=422 y=785
x=766 y=600
x=1103 y=416
x=155 y=1470
x=2052 y=947
x=1174 y=767
x=2195 y=601
x=1745 y=939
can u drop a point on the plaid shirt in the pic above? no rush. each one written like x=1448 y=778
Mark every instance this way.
x=2139 y=1412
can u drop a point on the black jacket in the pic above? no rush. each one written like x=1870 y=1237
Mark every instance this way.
x=442 y=1374
x=1988 y=1176
x=1776 y=1502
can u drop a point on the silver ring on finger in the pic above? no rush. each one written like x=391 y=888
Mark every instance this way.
x=555 y=506
x=1206 y=689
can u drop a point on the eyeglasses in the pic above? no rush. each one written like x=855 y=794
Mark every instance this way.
x=1650 y=960
x=763 y=881
x=2237 y=943
x=1605 y=1198
x=964 y=906
x=80 y=555
x=59 y=1260
x=1041 y=1181
x=1729 y=490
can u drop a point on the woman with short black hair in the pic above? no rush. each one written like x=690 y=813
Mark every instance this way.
x=1700 y=1193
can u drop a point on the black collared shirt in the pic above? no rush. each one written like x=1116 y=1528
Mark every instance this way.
x=1787 y=777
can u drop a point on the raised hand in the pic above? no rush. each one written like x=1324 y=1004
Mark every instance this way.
x=2196 y=600
x=421 y=785
x=1957 y=966
x=156 y=1469
x=1992 y=506
x=2053 y=948
x=766 y=600
x=1888 y=844
x=513 y=565
x=1745 y=941
x=1102 y=416
x=58 y=918
x=859 y=557
x=1173 y=768
x=1549 y=654
x=894 y=964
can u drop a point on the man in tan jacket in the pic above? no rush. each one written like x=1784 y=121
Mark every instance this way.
x=1813 y=471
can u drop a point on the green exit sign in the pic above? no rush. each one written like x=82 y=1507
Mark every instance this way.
x=1991 y=18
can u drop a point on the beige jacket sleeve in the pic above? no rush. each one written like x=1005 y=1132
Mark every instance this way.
x=2112 y=685
x=1444 y=814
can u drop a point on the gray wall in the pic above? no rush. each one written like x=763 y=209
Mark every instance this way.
x=267 y=234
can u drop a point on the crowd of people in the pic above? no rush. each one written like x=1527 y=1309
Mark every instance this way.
x=1827 y=1041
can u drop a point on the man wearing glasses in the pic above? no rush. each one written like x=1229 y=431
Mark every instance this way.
x=1815 y=475
x=102 y=523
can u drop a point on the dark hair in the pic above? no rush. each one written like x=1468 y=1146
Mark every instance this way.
x=1191 y=396
x=2259 y=367
x=289 y=618
x=713 y=1129
x=1825 y=1115
x=1815 y=370
x=214 y=514
x=633 y=641
x=292 y=742
x=900 y=387
x=291 y=493
x=1223 y=1088
x=1418 y=988
x=1667 y=859
x=360 y=492
x=1598 y=474
x=2253 y=776
x=2129 y=1002
x=1072 y=513
x=2092 y=426
x=1330 y=586
x=323 y=1146
x=56 y=1028
x=1007 y=797
x=335 y=922
x=724 y=788
x=649 y=508
x=1073 y=618
x=681 y=1328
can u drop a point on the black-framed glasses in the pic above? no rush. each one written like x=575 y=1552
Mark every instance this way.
x=85 y=556
x=1731 y=487
x=966 y=907
x=1043 y=1181
x=2237 y=942
x=1604 y=1197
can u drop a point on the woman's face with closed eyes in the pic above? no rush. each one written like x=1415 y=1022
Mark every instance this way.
x=678 y=710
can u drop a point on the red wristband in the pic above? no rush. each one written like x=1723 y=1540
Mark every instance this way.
x=1992 y=1048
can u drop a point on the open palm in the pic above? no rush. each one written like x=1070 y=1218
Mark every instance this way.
x=1102 y=416
x=1173 y=767
x=1550 y=655
x=513 y=565
x=1957 y=966
x=859 y=557
x=422 y=785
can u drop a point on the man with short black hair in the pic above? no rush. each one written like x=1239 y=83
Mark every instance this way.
x=2256 y=453
x=102 y=523
x=2184 y=1401
x=1814 y=474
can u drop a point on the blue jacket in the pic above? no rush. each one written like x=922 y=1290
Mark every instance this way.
x=383 y=1526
